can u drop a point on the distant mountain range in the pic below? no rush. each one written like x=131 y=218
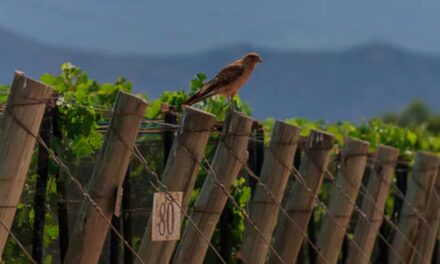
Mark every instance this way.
x=350 y=84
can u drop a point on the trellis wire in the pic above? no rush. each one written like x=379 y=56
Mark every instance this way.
x=140 y=157
x=20 y=245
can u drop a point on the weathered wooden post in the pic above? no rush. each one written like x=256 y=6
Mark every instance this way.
x=41 y=187
x=170 y=117
x=423 y=176
x=428 y=235
x=91 y=229
x=335 y=223
x=377 y=190
x=115 y=241
x=264 y=206
x=256 y=153
x=126 y=217
x=179 y=175
x=19 y=127
x=289 y=236
x=228 y=158
x=63 y=223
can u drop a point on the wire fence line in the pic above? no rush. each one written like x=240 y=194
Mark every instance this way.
x=78 y=185
x=19 y=243
x=210 y=172
x=164 y=188
x=208 y=168
x=364 y=192
x=300 y=178
x=279 y=206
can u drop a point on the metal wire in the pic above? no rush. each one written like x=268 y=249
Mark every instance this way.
x=20 y=245
x=210 y=172
x=66 y=169
x=139 y=156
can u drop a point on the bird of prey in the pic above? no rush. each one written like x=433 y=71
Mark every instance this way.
x=229 y=80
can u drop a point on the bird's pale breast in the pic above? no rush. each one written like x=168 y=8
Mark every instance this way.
x=232 y=89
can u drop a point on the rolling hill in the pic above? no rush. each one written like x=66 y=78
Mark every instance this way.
x=349 y=84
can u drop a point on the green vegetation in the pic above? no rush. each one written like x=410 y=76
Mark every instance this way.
x=85 y=104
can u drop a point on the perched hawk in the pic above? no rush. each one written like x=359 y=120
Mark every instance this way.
x=229 y=80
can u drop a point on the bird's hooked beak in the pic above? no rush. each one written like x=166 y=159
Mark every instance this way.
x=260 y=60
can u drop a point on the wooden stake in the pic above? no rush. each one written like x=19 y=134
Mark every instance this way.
x=230 y=154
x=289 y=236
x=263 y=209
x=18 y=127
x=423 y=176
x=426 y=243
x=377 y=192
x=126 y=217
x=335 y=223
x=41 y=188
x=179 y=175
x=63 y=223
x=90 y=231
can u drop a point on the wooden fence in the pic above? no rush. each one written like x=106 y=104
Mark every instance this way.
x=286 y=179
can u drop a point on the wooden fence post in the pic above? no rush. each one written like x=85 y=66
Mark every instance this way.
x=386 y=229
x=423 y=176
x=264 y=207
x=126 y=217
x=170 y=117
x=115 y=242
x=63 y=223
x=335 y=223
x=120 y=223
x=179 y=175
x=90 y=231
x=18 y=127
x=425 y=245
x=41 y=188
x=256 y=153
x=289 y=236
x=377 y=192
x=212 y=199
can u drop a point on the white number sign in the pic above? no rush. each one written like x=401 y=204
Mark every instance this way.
x=166 y=216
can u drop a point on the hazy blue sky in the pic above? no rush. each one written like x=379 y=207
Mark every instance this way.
x=175 y=26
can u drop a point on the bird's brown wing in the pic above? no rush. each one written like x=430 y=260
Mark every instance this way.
x=225 y=77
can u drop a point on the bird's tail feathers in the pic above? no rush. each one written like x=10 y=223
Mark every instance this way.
x=197 y=97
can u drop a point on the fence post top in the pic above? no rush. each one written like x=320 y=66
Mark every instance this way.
x=236 y=122
x=426 y=154
x=386 y=148
x=320 y=140
x=325 y=134
x=42 y=90
x=285 y=133
x=356 y=141
x=285 y=125
x=131 y=96
x=425 y=160
x=189 y=110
